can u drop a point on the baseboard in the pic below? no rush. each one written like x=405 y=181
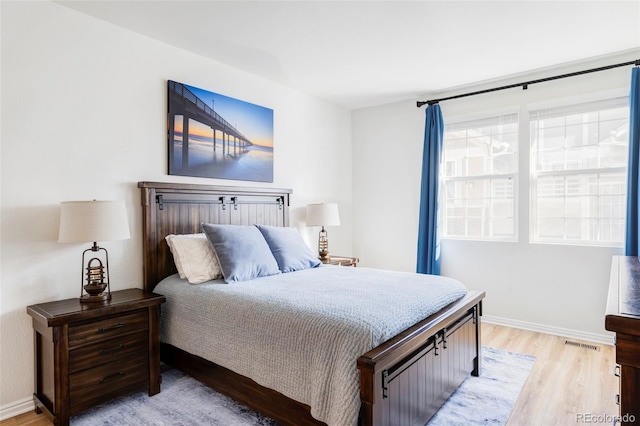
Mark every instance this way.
x=15 y=408
x=605 y=339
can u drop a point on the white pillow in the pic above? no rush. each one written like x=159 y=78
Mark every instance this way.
x=194 y=257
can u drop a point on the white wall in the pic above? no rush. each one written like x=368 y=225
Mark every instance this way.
x=554 y=288
x=84 y=116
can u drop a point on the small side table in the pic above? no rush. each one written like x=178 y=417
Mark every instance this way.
x=87 y=354
x=341 y=261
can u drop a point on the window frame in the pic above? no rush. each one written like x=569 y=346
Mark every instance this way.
x=489 y=178
x=568 y=108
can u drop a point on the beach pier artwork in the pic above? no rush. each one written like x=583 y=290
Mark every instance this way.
x=215 y=136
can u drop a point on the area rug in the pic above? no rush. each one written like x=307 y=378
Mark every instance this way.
x=484 y=400
x=489 y=398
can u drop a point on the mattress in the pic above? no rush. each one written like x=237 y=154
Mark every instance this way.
x=300 y=333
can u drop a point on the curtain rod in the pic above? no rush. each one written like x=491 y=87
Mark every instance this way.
x=527 y=83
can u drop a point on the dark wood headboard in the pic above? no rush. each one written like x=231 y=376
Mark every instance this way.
x=175 y=208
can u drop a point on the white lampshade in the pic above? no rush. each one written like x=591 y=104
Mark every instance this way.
x=92 y=221
x=323 y=214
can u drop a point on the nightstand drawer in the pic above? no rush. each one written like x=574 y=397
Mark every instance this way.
x=108 y=350
x=108 y=380
x=108 y=327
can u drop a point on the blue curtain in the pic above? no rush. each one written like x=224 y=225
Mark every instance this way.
x=632 y=246
x=428 y=242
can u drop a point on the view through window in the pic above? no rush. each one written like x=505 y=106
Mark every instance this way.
x=479 y=174
x=579 y=179
x=577 y=183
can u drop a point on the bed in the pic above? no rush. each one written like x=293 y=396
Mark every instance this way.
x=402 y=381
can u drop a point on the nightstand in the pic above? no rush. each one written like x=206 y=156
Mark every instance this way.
x=87 y=354
x=341 y=260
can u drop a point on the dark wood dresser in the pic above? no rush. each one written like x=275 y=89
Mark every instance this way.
x=87 y=354
x=623 y=318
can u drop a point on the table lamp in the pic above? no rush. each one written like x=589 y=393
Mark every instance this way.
x=323 y=215
x=92 y=221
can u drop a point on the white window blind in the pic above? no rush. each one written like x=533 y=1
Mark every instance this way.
x=579 y=173
x=479 y=174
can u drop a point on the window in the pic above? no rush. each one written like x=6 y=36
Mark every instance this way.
x=479 y=173
x=579 y=173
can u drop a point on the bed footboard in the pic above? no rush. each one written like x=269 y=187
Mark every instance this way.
x=406 y=380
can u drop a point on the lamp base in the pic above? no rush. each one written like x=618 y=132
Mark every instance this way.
x=97 y=288
x=323 y=244
x=101 y=298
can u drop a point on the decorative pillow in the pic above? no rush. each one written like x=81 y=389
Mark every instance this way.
x=289 y=249
x=194 y=257
x=242 y=252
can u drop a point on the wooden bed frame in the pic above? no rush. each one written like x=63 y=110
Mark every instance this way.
x=404 y=381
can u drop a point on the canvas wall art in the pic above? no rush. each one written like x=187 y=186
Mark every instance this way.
x=215 y=136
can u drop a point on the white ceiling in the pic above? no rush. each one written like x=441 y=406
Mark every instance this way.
x=364 y=53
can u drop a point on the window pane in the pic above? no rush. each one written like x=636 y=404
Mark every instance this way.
x=454 y=156
x=613 y=155
x=551 y=208
x=456 y=227
x=551 y=228
x=612 y=230
x=575 y=228
x=502 y=227
x=480 y=208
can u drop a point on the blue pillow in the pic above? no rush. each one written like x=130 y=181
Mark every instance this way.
x=289 y=249
x=242 y=252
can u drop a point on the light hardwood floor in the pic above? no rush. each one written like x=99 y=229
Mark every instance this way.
x=566 y=381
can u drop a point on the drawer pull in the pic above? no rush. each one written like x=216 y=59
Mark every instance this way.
x=112 y=350
x=616 y=371
x=617 y=399
x=115 y=327
x=112 y=377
